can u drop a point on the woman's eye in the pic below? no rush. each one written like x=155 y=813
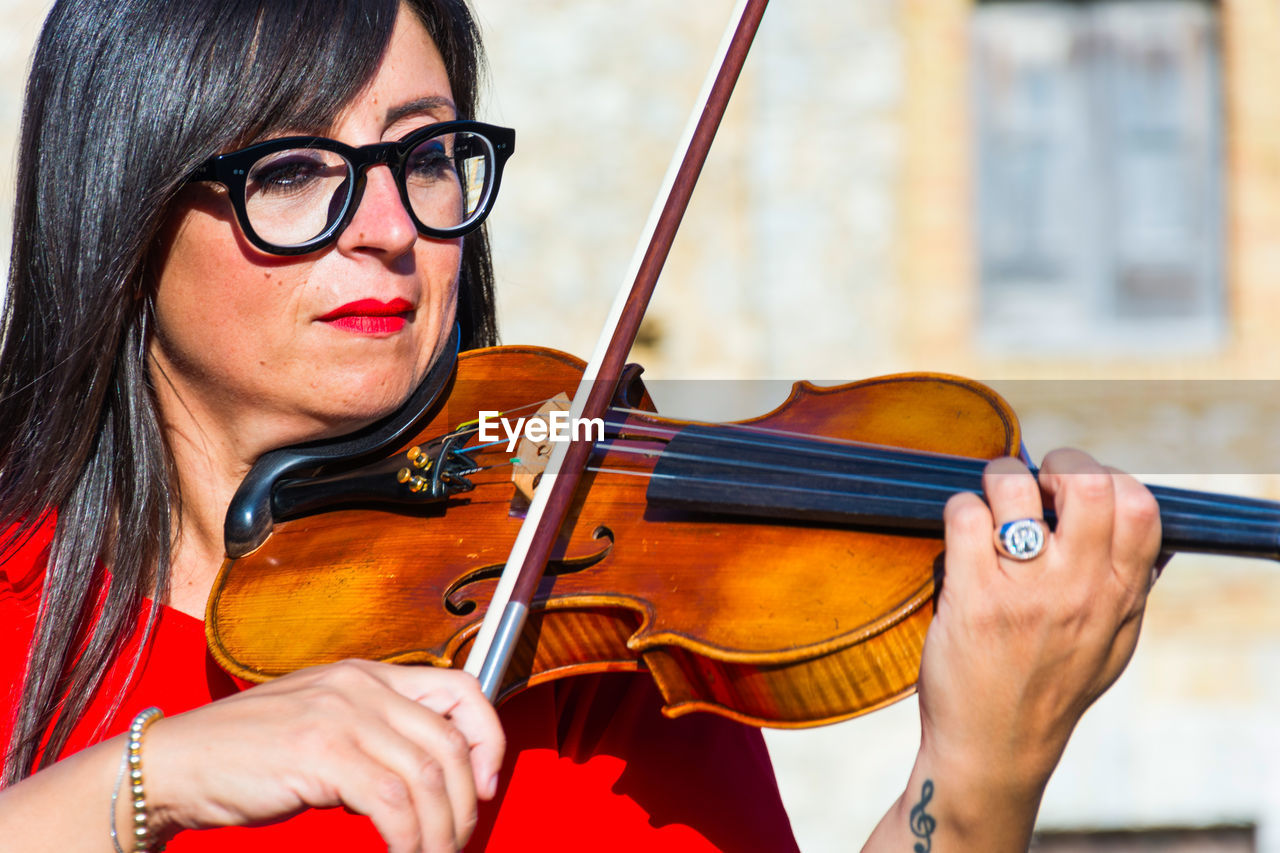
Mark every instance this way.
x=285 y=175
x=429 y=161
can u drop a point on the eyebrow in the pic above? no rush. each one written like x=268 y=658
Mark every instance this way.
x=419 y=106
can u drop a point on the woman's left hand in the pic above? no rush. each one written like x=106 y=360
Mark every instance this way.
x=1019 y=649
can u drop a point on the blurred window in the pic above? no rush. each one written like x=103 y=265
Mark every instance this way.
x=1099 y=160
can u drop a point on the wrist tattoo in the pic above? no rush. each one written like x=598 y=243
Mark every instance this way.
x=923 y=823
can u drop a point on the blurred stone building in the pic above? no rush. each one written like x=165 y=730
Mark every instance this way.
x=1078 y=202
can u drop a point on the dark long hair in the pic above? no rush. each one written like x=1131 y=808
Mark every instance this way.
x=125 y=98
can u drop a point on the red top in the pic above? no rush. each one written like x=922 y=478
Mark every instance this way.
x=591 y=763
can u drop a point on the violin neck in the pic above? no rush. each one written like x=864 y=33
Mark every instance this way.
x=732 y=471
x=1208 y=523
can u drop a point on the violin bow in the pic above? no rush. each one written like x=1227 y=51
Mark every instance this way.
x=500 y=631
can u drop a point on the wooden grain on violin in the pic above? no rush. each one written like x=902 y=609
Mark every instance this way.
x=765 y=618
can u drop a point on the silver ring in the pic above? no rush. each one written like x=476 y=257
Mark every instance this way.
x=1022 y=539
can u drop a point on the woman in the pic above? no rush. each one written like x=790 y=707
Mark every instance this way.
x=174 y=314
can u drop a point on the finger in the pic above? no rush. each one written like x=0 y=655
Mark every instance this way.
x=1011 y=490
x=1083 y=496
x=370 y=788
x=451 y=749
x=1136 y=541
x=970 y=558
x=456 y=695
x=1013 y=494
x=434 y=770
x=429 y=751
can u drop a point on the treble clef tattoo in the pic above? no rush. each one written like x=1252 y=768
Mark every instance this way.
x=923 y=823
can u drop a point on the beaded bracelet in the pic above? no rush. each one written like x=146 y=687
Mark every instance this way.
x=133 y=761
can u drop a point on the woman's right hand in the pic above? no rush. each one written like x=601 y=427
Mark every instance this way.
x=410 y=747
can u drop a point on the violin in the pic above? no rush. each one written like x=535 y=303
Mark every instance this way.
x=779 y=571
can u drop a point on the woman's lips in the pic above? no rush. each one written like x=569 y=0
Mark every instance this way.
x=370 y=316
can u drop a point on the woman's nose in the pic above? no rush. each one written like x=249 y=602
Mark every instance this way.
x=380 y=222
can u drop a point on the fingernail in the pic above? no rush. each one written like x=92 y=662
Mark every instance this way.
x=493 y=785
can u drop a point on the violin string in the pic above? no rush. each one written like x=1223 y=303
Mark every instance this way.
x=931 y=463
x=1192 y=504
x=1218 y=506
x=860 y=479
x=1176 y=503
x=1170 y=516
x=928 y=458
x=850 y=451
x=1213 y=500
x=717 y=481
x=923 y=492
x=800 y=490
x=925 y=460
x=928 y=461
x=935 y=504
x=869 y=453
x=711 y=480
x=1191 y=507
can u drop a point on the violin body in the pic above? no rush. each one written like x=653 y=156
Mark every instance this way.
x=767 y=619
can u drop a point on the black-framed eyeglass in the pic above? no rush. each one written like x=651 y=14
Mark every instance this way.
x=296 y=194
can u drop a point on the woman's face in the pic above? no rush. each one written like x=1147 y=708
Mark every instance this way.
x=262 y=351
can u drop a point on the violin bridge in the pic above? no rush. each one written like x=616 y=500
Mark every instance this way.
x=532 y=456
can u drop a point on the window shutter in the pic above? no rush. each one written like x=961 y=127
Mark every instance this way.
x=1031 y=88
x=1156 y=99
x=1098 y=159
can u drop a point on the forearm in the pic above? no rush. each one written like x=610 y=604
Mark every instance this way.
x=66 y=807
x=959 y=810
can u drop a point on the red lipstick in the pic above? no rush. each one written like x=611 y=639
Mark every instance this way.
x=370 y=316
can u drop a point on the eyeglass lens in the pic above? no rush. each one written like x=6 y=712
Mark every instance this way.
x=294 y=196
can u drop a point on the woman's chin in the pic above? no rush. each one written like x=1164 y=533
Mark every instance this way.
x=346 y=414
